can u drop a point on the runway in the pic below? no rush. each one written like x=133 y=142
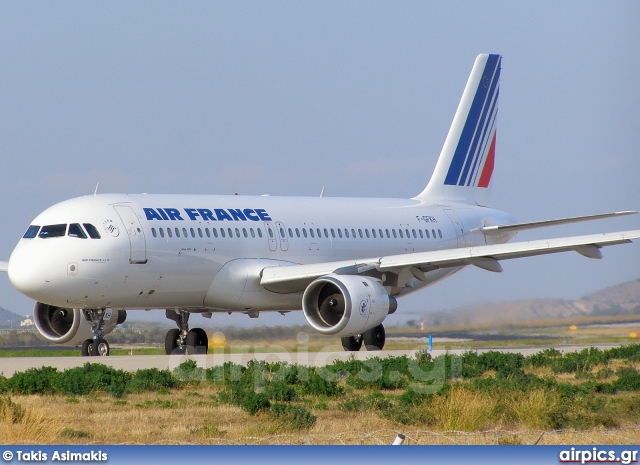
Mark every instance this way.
x=11 y=365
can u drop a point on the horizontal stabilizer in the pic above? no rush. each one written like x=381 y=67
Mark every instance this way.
x=546 y=223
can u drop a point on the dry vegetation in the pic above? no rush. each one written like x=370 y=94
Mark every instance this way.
x=493 y=398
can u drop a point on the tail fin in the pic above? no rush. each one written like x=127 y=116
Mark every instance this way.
x=464 y=168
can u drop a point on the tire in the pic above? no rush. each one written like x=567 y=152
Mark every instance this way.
x=100 y=348
x=171 y=341
x=351 y=343
x=87 y=346
x=374 y=338
x=197 y=342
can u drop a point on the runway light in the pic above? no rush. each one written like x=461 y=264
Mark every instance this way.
x=633 y=335
x=573 y=327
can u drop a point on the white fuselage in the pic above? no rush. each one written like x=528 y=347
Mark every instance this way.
x=205 y=253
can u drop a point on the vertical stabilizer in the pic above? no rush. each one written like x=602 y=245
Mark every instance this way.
x=464 y=168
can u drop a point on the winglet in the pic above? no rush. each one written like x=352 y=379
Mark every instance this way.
x=464 y=168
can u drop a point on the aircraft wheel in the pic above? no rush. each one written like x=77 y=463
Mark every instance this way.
x=197 y=341
x=351 y=343
x=100 y=347
x=374 y=338
x=87 y=345
x=171 y=341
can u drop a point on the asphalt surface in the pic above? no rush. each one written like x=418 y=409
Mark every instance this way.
x=10 y=365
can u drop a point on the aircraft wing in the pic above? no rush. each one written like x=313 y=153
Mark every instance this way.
x=4 y=266
x=543 y=224
x=294 y=278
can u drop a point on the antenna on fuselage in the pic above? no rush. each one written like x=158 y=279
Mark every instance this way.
x=96 y=191
x=322 y=192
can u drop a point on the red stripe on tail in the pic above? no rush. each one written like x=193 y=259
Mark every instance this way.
x=487 y=170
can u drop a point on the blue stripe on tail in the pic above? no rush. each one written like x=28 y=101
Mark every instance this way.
x=477 y=126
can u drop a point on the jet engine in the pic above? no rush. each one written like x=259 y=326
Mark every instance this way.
x=71 y=326
x=346 y=305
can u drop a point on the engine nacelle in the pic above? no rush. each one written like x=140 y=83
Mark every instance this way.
x=70 y=326
x=346 y=305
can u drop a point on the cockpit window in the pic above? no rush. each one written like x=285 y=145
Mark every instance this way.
x=32 y=231
x=76 y=231
x=53 y=230
x=91 y=229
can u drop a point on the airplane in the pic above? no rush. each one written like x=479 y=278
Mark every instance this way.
x=343 y=261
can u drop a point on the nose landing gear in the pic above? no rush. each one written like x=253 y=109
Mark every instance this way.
x=98 y=345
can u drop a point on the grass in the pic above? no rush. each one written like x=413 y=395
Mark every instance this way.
x=497 y=398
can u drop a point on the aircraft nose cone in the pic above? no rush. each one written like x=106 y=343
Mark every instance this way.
x=26 y=274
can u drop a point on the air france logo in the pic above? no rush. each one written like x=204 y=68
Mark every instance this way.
x=204 y=214
x=363 y=307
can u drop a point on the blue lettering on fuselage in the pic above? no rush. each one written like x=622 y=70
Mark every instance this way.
x=205 y=214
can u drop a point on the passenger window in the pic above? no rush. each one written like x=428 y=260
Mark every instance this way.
x=426 y=231
x=413 y=231
x=340 y=233
x=222 y=232
x=215 y=232
x=153 y=232
x=440 y=234
x=161 y=232
x=169 y=233
x=319 y=232
x=237 y=232
x=420 y=231
x=395 y=236
x=333 y=233
x=206 y=231
x=346 y=233
x=380 y=231
x=193 y=233
x=200 y=232
x=76 y=231
x=32 y=231
x=260 y=232
x=311 y=232
x=353 y=233
x=297 y=232
x=360 y=233
x=387 y=231
x=184 y=232
x=304 y=232
x=290 y=233
x=366 y=233
x=53 y=230
x=408 y=235
x=177 y=232
x=270 y=232
x=326 y=233
x=244 y=232
x=401 y=234
x=253 y=233
x=282 y=234
x=433 y=233
x=230 y=233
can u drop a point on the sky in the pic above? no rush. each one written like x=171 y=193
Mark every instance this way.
x=288 y=97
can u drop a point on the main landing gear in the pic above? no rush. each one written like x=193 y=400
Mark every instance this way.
x=183 y=340
x=372 y=339
x=98 y=345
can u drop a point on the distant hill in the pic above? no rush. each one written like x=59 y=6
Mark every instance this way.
x=7 y=319
x=622 y=299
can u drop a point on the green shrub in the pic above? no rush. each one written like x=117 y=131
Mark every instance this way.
x=292 y=417
x=628 y=379
x=151 y=379
x=34 y=381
